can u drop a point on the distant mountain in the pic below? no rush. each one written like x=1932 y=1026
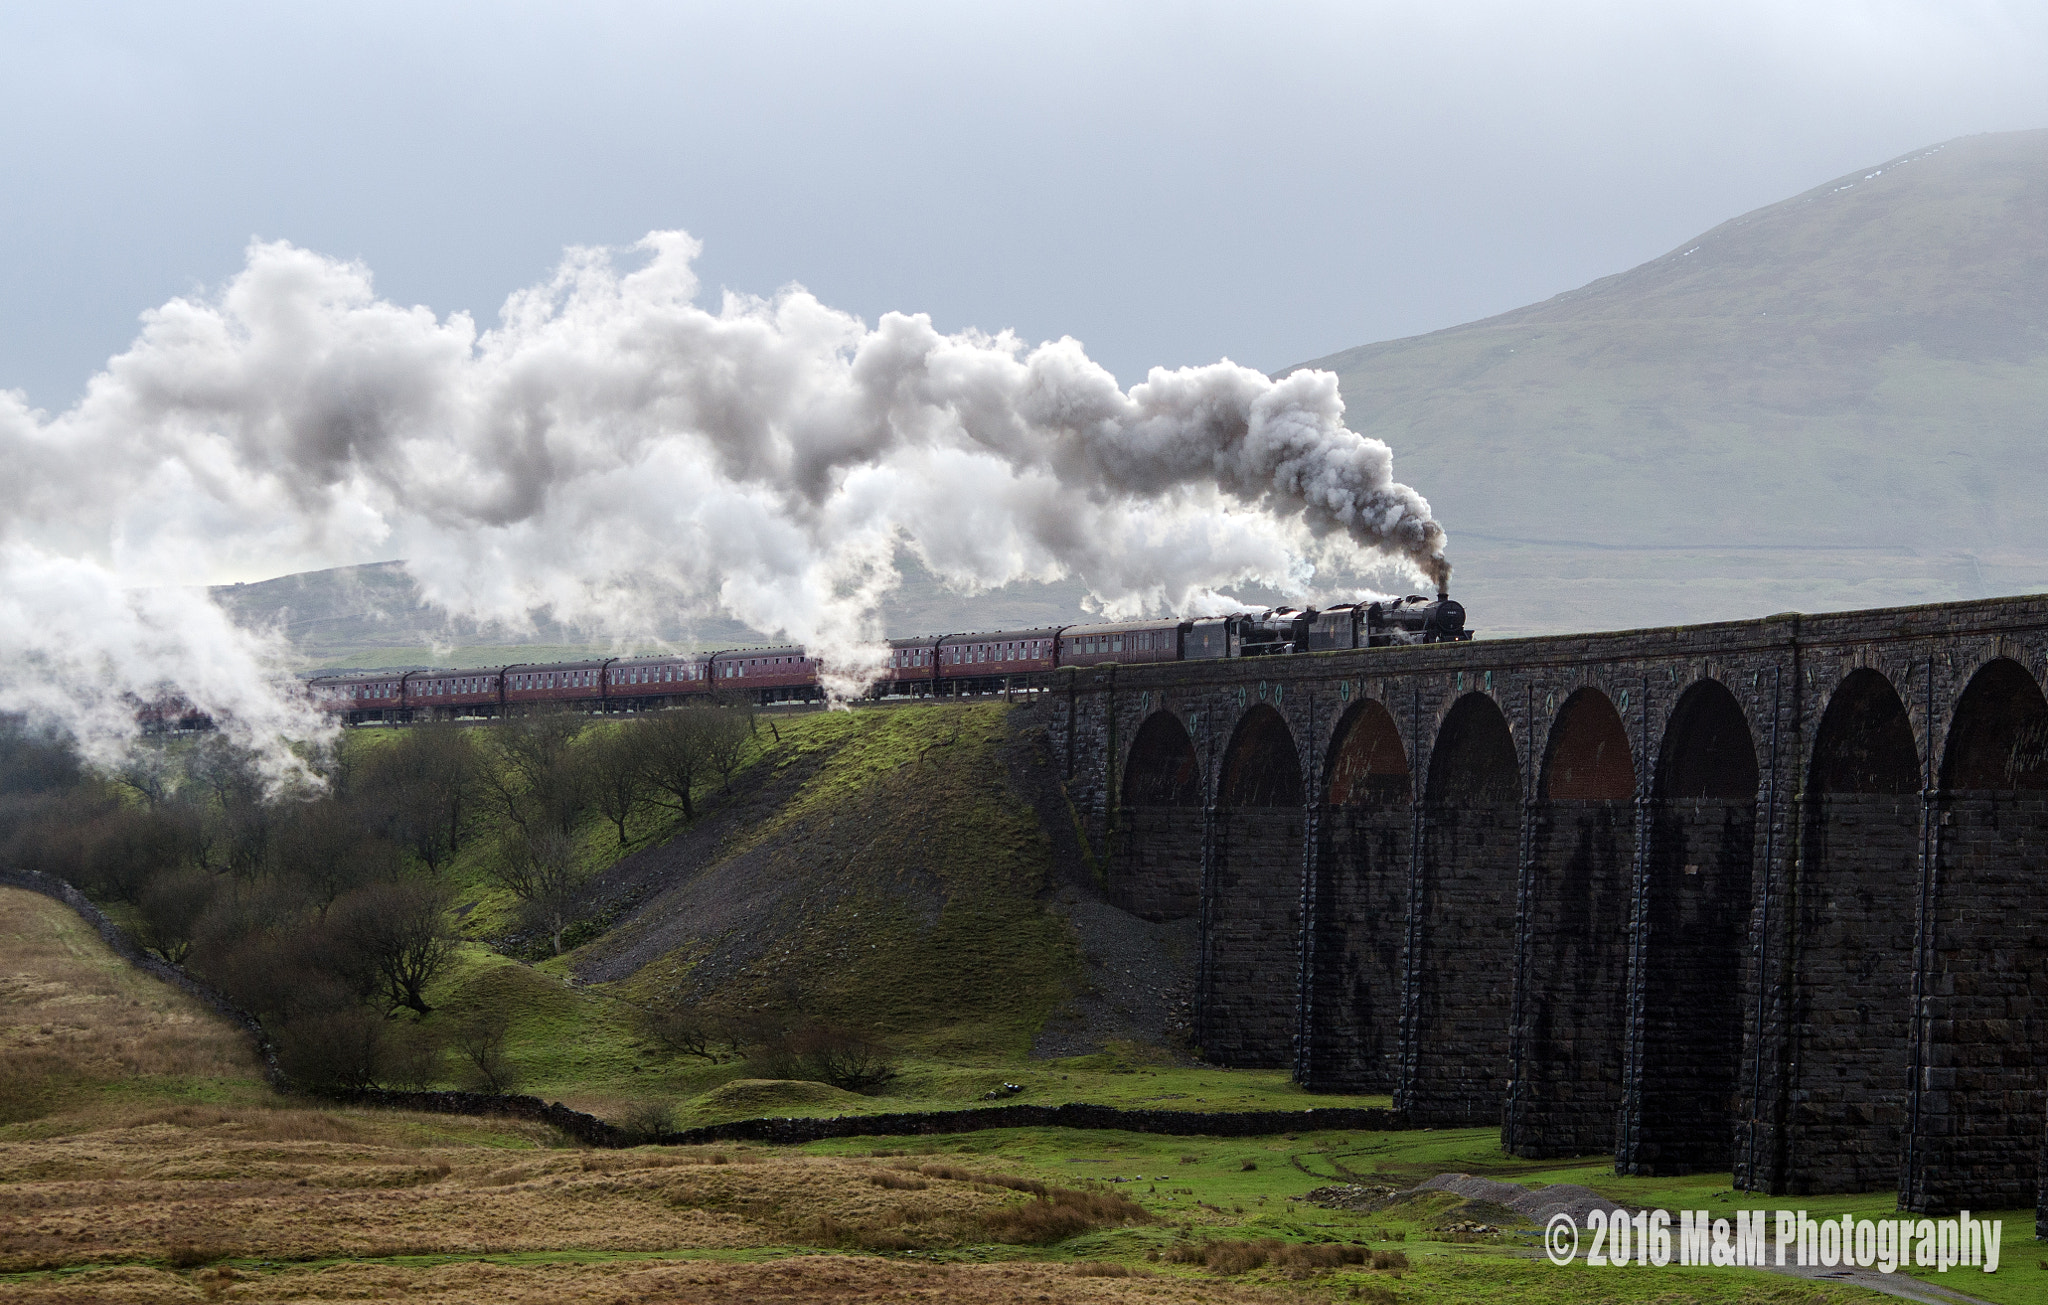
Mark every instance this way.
x=358 y=617
x=1837 y=401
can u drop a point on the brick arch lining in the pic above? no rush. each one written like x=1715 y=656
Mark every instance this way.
x=1865 y=742
x=1709 y=750
x=1998 y=738
x=1261 y=768
x=1162 y=770
x=1474 y=757
x=1588 y=758
x=1368 y=763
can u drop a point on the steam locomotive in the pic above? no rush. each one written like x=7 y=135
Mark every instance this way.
x=925 y=666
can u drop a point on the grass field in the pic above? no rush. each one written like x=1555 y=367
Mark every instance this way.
x=191 y=1182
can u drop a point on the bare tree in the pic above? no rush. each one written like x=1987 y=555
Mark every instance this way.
x=614 y=773
x=323 y=847
x=424 y=784
x=727 y=731
x=672 y=756
x=540 y=869
x=239 y=809
x=128 y=847
x=149 y=773
x=535 y=779
x=169 y=912
x=479 y=1039
x=395 y=941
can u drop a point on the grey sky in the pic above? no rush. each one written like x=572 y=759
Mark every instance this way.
x=1168 y=183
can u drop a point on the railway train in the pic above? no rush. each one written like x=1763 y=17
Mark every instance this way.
x=925 y=666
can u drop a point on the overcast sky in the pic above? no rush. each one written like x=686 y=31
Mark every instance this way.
x=1170 y=184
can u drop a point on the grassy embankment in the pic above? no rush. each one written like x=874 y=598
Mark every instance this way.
x=901 y=873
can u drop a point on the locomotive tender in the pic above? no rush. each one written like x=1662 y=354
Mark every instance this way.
x=925 y=666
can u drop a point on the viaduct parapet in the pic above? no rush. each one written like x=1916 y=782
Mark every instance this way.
x=1765 y=895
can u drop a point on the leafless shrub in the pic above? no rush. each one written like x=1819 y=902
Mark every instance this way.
x=345 y=1048
x=647 y=1121
x=683 y=1030
x=418 y=1055
x=478 y=1039
x=822 y=1053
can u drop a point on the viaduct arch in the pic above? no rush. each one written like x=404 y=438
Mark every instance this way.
x=1760 y=895
x=1252 y=924
x=1571 y=1008
x=1695 y=917
x=1361 y=897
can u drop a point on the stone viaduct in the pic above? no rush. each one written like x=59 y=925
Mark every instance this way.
x=1764 y=895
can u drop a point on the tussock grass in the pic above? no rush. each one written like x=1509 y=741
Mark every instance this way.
x=75 y=1018
x=194 y=1185
x=795 y=1280
x=1231 y=1256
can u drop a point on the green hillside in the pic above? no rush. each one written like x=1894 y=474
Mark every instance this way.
x=1836 y=401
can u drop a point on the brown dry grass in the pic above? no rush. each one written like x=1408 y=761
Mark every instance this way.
x=73 y=1016
x=203 y=1183
x=1233 y=1256
x=799 y=1280
x=145 y=1200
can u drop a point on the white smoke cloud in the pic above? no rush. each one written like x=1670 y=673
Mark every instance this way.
x=613 y=446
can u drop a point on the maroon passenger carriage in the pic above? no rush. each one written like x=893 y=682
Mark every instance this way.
x=1000 y=661
x=766 y=675
x=447 y=694
x=996 y=661
x=638 y=683
x=912 y=668
x=1122 y=641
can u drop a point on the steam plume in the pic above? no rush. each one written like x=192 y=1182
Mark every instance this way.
x=611 y=446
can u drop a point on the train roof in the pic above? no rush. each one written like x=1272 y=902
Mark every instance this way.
x=989 y=636
x=786 y=650
x=1124 y=627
